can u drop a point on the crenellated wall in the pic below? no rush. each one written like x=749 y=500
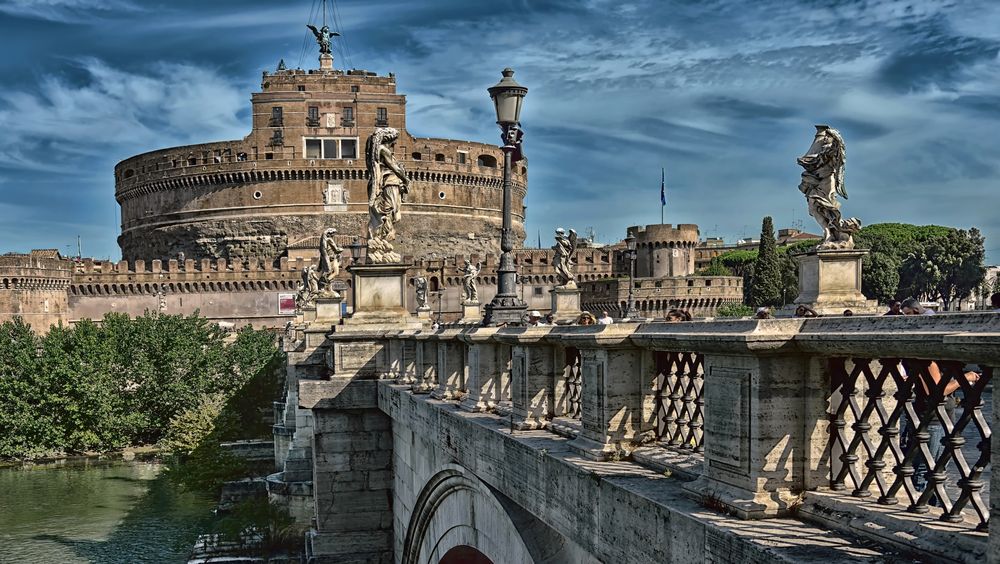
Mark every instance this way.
x=34 y=287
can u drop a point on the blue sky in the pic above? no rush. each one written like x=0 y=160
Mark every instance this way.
x=722 y=93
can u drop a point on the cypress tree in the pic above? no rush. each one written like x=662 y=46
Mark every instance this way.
x=765 y=284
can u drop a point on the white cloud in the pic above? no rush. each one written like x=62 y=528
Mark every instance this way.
x=116 y=112
x=67 y=11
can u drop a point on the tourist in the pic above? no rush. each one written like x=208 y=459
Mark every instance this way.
x=678 y=315
x=586 y=318
x=805 y=311
x=995 y=302
x=436 y=325
x=550 y=319
x=930 y=379
x=763 y=313
x=894 y=308
x=535 y=318
x=605 y=319
x=911 y=306
x=848 y=313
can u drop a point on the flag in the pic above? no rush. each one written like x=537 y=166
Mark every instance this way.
x=663 y=187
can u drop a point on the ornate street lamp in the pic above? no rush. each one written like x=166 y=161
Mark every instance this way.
x=507 y=95
x=357 y=249
x=630 y=312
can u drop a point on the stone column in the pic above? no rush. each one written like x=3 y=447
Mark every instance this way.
x=484 y=369
x=761 y=440
x=450 y=368
x=611 y=402
x=425 y=359
x=531 y=377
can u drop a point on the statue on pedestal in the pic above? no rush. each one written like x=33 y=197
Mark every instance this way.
x=387 y=184
x=470 y=294
x=565 y=259
x=329 y=262
x=309 y=288
x=420 y=288
x=822 y=181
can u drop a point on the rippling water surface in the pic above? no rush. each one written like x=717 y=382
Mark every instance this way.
x=97 y=511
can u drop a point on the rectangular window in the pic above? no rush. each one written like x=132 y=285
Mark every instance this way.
x=348 y=148
x=463 y=157
x=348 y=115
x=314 y=113
x=381 y=116
x=302 y=88
x=538 y=291
x=331 y=148
x=355 y=89
x=276 y=116
x=314 y=149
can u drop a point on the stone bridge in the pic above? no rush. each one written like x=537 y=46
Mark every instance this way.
x=724 y=441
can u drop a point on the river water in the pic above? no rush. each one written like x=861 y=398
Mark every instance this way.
x=96 y=511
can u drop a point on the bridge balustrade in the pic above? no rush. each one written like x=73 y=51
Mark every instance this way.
x=769 y=408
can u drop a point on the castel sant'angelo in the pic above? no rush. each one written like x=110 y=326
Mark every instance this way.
x=226 y=228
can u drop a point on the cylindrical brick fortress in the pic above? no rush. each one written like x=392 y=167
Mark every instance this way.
x=665 y=250
x=302 y=169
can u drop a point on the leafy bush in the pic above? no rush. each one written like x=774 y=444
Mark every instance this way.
x=122 y=382
x=734 y=310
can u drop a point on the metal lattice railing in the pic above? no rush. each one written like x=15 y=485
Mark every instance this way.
x=573 y=381
x=679 y=380
x=914 y=426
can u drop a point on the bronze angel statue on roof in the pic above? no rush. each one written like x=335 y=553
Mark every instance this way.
x=822 y=181
x=565 y=259
x=323 y=36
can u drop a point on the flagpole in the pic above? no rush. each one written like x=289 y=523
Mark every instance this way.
x=663 y=196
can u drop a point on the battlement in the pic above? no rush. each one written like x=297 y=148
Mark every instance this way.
x=665 y=234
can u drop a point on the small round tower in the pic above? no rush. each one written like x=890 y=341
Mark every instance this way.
x=665 y=250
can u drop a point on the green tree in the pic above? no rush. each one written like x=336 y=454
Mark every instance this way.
x=889 y=244
x=946 y=268
x=715 y=268
x=765 y=283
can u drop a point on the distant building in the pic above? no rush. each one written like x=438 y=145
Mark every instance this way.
x=715 y=246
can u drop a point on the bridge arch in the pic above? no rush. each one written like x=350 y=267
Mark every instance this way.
x=456 y=513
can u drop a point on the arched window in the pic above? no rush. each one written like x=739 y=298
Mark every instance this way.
x=439 y=158
x=487 y=161
x=416 y=155
x=434 y=285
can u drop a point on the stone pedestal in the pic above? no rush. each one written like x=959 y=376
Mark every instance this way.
x=565 y=304
x=379 y=294
x=424 y=313
x=471 y=312
x=830 y=282
x=328 y=309
x=307 y=314
x=326 y=61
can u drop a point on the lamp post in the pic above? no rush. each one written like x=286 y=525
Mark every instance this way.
x=507 y=95
x=357 y=249
x=630 y=312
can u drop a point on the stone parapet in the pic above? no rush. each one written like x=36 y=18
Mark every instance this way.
x=783 y=414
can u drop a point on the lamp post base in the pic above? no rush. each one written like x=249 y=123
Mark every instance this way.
x=501 y=310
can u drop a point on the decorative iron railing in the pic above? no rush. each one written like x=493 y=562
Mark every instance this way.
x=916 y=428
x=679 y=379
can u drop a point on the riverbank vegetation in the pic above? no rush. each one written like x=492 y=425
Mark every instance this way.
x=121 y=382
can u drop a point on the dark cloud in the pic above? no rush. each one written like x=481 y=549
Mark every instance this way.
x=936 y=58
x=721 y=93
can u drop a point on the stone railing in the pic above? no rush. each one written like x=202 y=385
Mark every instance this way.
x=829 y=418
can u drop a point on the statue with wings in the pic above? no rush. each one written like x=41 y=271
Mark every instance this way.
x=323 y=36
x=469 y=273
x=822 y=181
x=565 y=259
